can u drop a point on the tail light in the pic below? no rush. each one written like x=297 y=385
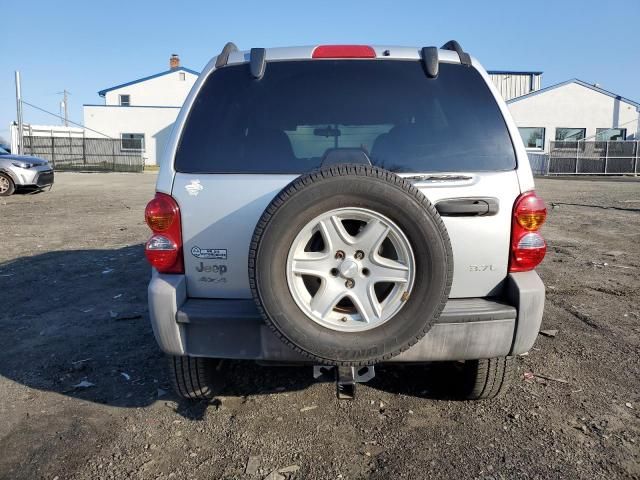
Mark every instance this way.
x=343 y=51
x=164 y=248
x=527 y=245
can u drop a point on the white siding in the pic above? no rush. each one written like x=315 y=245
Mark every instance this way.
x=166 y=90
x=574 y=106
x=154 y=122
x=154 y=106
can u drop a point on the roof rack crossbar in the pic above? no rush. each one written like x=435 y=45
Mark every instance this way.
x=223 y=56
x=454 y=46
x=430 y=61
x=257 y=62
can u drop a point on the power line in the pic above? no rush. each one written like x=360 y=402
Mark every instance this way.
x=67 y=120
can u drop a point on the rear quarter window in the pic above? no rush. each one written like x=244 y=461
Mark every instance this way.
x=287 y=121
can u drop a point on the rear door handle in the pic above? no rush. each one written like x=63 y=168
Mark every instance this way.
x=468 y=207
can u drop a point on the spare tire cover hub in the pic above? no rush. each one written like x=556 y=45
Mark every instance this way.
x=350 y=269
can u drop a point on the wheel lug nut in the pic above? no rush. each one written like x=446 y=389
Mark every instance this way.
x=334 y=272
x=339 y=254
x=359 y=255
x=349 y=283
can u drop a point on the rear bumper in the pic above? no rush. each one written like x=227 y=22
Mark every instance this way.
x=467 y=328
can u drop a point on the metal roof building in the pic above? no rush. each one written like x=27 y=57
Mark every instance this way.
x=512 y=84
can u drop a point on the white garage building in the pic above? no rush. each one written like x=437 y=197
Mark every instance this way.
x=141 y=113
x=573 y=110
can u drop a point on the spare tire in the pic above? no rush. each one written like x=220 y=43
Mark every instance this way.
x=350 y=265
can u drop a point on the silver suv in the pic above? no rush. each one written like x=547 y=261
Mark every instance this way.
x=345 y=206
x=22 y=171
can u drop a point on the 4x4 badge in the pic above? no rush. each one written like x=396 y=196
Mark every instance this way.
x=209 y=253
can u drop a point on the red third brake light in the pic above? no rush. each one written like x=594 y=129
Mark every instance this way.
x=164 y=248
x=528 y=248
x=343 y=51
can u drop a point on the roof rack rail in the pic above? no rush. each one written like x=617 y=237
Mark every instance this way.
x=223 y=56
x=257 y=62
x=430 y=61
x=454 y=46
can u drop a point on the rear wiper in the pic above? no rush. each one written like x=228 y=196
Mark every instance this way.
x=438 y=178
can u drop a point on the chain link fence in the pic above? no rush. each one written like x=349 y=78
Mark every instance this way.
x=539 y=163
x=84 y=154
x=588 y=158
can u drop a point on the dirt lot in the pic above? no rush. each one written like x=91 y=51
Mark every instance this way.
x=73 y=297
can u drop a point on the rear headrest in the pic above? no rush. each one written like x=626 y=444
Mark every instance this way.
x=267 y=141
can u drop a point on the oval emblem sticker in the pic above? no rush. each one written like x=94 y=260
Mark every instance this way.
x=194 y=188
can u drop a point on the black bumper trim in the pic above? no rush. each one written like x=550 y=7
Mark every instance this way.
x=44 y=179
x=463 y=310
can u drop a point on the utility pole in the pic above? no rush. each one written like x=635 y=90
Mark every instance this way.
x=65 y=105
x=19 y=114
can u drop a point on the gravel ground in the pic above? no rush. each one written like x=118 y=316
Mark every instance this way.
x=73 y=297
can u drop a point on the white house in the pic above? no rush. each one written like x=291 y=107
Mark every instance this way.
x=141 y=113
x=573 y=110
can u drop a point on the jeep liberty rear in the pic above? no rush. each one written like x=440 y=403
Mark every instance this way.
x=345 y=206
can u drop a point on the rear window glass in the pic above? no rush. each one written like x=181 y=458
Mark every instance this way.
x=300 y=110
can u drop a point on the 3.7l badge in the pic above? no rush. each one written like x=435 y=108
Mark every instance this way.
x=209 y=253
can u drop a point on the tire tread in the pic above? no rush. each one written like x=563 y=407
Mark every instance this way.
x=192 y=377
x=488 y=378
x=12 y=186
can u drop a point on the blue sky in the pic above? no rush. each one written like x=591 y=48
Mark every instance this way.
x=85 y=46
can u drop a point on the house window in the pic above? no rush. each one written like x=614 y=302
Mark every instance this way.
x=125 y=100
x=132 y=141
x=570 y=134
x=606 y=134
x=182 y=76
x=533 y=137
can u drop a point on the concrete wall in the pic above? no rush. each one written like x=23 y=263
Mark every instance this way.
x=574 y=106
x=154 y=122
x=165 y=90
x=515 y=84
